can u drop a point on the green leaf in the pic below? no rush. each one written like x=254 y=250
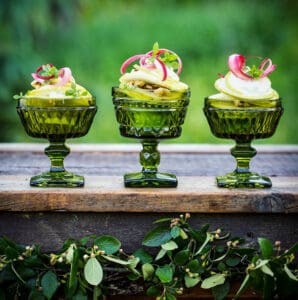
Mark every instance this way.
x=191 y=282
x=207 y=239
x=148 y=271
x=221 y=291
x=34 y=295
x=182 y=257
x=260 y=263
x=266 y=270
x=183 y=234
x=153 y=291
x=213 y=281
x=170 y=296
x=133 y=276
x=155 y=49
x=107 y=243
x=143 y=255
x=164 y=273
x=49 y=284
x=266 y=247
x=73 y=277
x=160 y=254
x=289 y=273
x=116 y=260
x=244 y=286
x=70 y=252
x=133 y=262
x=233 y=261
x=157 y=236
x=175 y=232
x=162 y=220
x=194 y=266
x=170 y=245
x=80 y=296
x=86 y=239
x=93 y=271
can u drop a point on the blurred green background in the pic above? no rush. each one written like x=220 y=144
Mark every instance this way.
x=95 y=37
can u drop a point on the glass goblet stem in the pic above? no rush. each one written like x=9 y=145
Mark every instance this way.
x=243 y=153
x=149 y=156
x=57 y=151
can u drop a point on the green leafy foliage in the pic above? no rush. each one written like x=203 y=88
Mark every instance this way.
x=93 y=271
x=49 y=284
x=108 y=244
x=214 y=280
x=85 y=269
x=157 y=236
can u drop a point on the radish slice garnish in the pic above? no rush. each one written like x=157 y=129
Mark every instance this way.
x=64 y=76
x=270 y=68
x=146 y=60
x=129 y=61
x=236 y=64
x=164 y=69
x=163 y=50
x=41 y=78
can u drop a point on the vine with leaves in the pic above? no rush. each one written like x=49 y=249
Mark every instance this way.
x=92 y=267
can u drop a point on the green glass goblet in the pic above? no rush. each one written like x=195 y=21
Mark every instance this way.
x=56 y=120
x=150 y=121
x=243 y=121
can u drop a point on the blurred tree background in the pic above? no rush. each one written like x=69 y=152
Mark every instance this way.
x=94 y=37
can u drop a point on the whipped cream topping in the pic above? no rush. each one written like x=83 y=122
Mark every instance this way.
x=243 y=89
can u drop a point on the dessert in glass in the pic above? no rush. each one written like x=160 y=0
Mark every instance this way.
x=246 y=108
x=150 y=105
x=56 y=109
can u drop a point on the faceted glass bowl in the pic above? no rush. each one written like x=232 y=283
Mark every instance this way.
x=243 y=121
x=150 y=121
x=56 y=120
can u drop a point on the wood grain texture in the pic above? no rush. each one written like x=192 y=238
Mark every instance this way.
x=107 y=194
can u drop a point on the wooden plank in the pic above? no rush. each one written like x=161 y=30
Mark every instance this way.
x=134 y=147
x=107 y=194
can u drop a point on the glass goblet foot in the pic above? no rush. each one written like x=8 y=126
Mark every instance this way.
x=57 y=176
x=242 y=177
x=149 y=176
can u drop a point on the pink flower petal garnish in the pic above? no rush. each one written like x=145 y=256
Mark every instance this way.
x=64 y=77
x=164 y=69
x=143 y=58
x=129 y=61
x=39 y=78
x=163 y=50
x=270 y=68
x=236 y=64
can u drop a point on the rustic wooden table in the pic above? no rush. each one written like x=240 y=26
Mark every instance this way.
x=49 y=216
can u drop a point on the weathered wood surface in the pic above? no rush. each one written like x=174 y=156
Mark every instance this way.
x=107 y=194
x=103 y=167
